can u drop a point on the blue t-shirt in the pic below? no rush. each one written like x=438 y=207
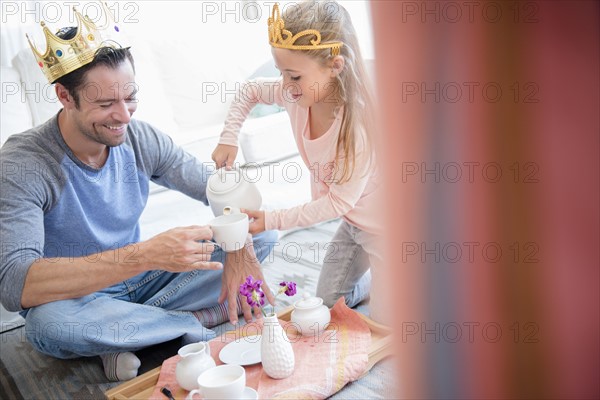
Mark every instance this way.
x=53 y=205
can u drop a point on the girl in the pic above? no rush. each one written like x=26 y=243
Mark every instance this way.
x=324 y=89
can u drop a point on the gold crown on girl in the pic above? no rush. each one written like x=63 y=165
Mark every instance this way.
x=277 y=33
x=64 y=56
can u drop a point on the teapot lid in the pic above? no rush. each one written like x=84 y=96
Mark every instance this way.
x=224 y=180
x=308 y=302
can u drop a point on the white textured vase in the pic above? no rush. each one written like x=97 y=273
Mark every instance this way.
x=277 y=355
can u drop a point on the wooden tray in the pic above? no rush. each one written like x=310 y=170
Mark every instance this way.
x=142 y=386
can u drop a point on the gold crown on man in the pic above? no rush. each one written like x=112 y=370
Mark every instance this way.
x=64 y=56
x=277 y=39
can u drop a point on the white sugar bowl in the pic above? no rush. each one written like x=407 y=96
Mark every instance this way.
x=310 y=315
x=230 y=188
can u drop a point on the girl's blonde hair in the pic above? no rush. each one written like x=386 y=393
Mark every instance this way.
x=353 y=85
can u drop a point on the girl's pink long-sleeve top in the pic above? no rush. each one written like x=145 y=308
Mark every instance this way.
x=354 y=200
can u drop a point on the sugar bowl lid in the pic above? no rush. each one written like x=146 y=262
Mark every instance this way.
x=224 y=180
x=308 y=302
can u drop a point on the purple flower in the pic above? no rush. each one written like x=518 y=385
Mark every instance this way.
x=255 y=297
x=254 y=294
x=289 y=288
x=258 y=299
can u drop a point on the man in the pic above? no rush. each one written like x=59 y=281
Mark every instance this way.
x=72 y=192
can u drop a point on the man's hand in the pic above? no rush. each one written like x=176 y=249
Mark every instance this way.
x=224 y=155
x=176 y=250
x=238 y=265
x=258 y=223
x=179 y=250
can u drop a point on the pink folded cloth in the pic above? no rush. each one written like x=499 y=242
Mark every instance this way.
x=324 y=363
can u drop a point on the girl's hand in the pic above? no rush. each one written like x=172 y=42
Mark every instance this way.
x=224 y=155
x=258 y=225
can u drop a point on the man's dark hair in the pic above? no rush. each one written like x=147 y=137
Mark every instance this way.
x=106 y=56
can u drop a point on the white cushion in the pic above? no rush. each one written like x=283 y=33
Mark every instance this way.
x=200 y=132
x=210 y=65
x=282 y=184
x=202 y=88
x=153 y=106
x=40 y=95
x=268 y=138
x=261 y=140
x=16 y=116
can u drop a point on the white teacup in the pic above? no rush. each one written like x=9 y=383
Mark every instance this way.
x=221 y=382
x=230 y=231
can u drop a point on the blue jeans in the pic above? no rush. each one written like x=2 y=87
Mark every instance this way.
x=150 y=308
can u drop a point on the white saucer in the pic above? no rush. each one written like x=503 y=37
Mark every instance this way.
x=243 y=351
x=249 y=394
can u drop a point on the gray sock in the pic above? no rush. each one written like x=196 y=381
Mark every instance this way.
x=120 y=366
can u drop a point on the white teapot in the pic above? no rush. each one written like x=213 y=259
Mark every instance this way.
x=310 y=315
x=229 y=188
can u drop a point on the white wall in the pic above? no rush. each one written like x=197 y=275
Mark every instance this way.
x=214 y=31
